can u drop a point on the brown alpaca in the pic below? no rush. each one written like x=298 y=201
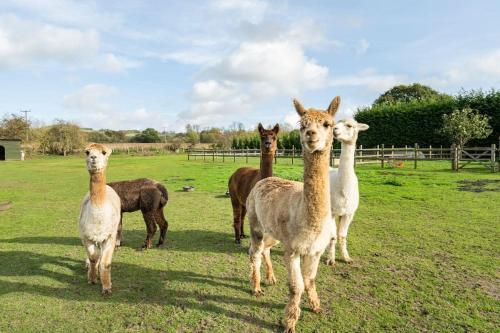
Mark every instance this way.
x=243 y=180
x=146 y=195
x=297 y=214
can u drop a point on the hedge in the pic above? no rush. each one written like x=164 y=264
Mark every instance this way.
x=419 y=121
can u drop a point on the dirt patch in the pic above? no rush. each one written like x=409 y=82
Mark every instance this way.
x=478 y=186
x=5 y=205
x=389 y=173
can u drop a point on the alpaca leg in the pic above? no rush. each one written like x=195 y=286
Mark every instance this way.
x=243 y=212
x=256 y=250
x=119 y=233
x=149 y=219
x=309 y=270
x=345 y=221
x=163 y=224
x=92 y=261
x=330 y=250
x=236 y=220
x=268 y=244
x=296 y=288
x=108 y=246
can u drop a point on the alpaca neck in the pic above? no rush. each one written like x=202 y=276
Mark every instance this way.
x=266 y=165
x=97 y=187
x=316 y=195
x=346 y=162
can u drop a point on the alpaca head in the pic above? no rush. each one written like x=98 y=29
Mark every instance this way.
x=96 y=157
x=316 y=126
x=347 y=130
x=268 y=139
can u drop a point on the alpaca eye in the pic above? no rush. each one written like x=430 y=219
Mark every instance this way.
x=349 y=126
x=87 y=152
x=326 y=124
x=103 y=152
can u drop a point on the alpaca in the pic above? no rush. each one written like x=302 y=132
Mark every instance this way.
x=297 y=214
x=150 y=197
x=243 y=180
x=99 y=217
x=344 y=190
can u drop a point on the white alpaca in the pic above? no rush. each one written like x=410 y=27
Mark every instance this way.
x=297 y=214
x=99 y=218
x=344 y=192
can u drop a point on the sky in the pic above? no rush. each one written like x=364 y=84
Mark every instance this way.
x=131 y=64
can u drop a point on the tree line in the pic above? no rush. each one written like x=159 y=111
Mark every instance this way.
x=403 y=115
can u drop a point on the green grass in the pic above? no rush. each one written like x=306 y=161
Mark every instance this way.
x=425 y=245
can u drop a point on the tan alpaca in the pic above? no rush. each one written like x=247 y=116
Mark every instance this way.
x=297 y=214
x=99 y=217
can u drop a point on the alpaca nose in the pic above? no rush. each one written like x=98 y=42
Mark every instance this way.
x=310 y=133
x=93 y=157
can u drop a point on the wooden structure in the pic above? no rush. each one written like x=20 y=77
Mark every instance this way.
x=10 y=149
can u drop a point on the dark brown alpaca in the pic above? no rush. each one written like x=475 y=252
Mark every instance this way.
x=243 y=180
x=150 y=197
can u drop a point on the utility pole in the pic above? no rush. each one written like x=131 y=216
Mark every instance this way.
x=26 y=120
x=164 y=134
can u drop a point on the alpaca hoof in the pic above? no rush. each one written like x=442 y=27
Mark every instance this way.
x=106 y=292
x=92 y=281
x=237 y=241
x=289 y=330
x=243 y=236
x=271 y=280
x=159 y=245
x=317 y=309
x=258 y=292
x=330 y=262
x=348 y=261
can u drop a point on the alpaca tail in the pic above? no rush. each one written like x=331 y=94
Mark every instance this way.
x=164 y=194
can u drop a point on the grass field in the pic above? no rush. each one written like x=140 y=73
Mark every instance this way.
x=425 y=244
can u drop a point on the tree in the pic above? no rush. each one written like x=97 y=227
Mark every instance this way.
x=466 y=124
x=406 y=93
x=148 y=135
x=14 y=127
x=62 y=138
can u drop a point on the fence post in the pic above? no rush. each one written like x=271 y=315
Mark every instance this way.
x=392 y=154
x=383 y=156
x=189 y=151
x=223 y=157
x=276 y=156
x=213 y=155
x=416 y=155
x=430 y=152
x=246 y=155
x=361 y=153
x=493 y=155
x=378 y=147
x=293 y=153
x=203 y=154
x=234 y=155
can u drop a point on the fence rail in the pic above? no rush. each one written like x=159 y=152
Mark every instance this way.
x=395 y=156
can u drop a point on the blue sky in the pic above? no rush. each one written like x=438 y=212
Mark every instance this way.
x=135 y=64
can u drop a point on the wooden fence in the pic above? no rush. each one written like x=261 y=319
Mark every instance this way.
x=386 y=156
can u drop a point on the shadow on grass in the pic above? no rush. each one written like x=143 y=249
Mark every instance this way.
x=136 y=284
x=176 y=240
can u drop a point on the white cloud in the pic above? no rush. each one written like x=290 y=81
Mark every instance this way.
x=188 y=57
x=92 y=98
x=292 y=119
x=282 y=65
x=477 y=69
x=25 y=43
x=252 y=10
x=117 y=64
x=369 y=79
x=96 y=106
x=362 y=46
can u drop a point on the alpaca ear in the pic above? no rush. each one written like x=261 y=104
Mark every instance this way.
x=334 y=106
x=261 y=128
x=300 y=109
x=362 y=127
x=276 y=129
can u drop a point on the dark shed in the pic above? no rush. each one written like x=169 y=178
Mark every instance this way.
x=10 y=149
